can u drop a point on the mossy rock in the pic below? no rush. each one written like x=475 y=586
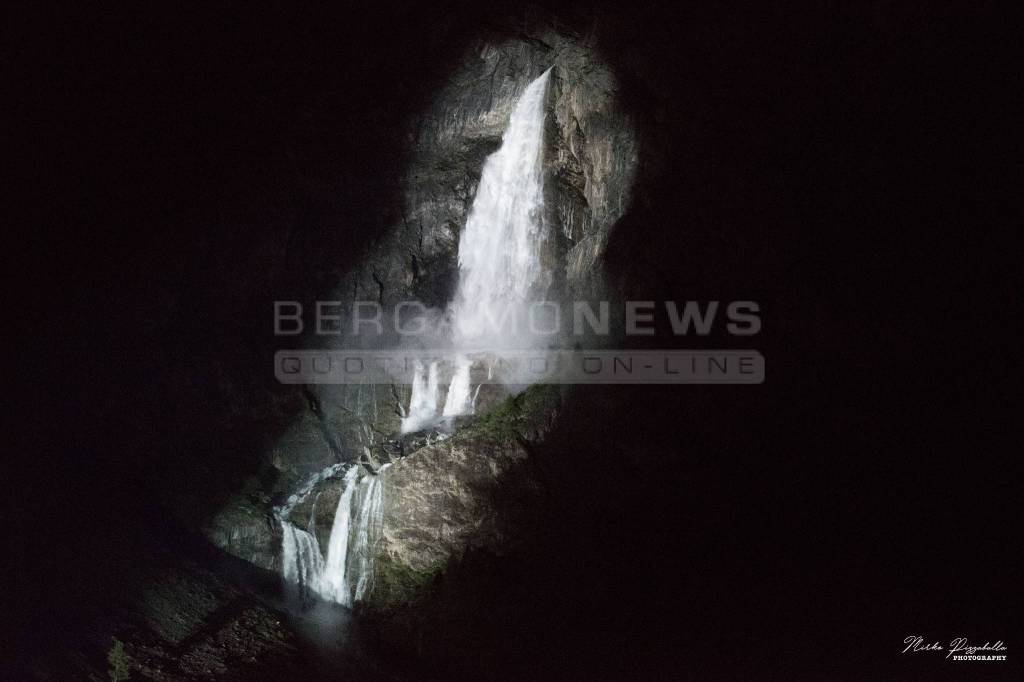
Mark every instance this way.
x=519 y=416
x=397 y=583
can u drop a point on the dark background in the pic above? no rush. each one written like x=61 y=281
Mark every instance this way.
x=834 y=164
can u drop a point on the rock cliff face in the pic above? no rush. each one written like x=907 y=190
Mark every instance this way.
x=474 y=490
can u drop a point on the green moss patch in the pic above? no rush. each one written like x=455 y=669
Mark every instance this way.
x=518 y=414
x=397 y=583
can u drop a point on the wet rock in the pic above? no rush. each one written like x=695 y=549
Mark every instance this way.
x=316 y=512
x=249 y=531
x=304 y=449
x=475 y=490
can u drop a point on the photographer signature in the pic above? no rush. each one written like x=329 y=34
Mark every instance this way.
x=916 y=643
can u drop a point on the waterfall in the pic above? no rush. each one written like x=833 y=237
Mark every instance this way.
x=346 y=575
x=332 y=585
x=499 y=252
x=369 y=524
x=301 y=560
x=459 y=400
x=423 y=405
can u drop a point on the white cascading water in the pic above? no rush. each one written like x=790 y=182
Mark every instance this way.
x=332 y=583
x=369 y=526
x=346 y=575
x=459 y=401
x=423 y=405
x=499 y=253
x=302 y=562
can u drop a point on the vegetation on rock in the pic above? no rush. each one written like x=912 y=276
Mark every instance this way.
x=398 y=583
x=118 y=661
x=518 y=416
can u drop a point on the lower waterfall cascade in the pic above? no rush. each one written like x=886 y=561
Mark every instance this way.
x=345 y=574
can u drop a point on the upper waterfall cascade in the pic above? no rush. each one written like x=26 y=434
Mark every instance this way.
x=500 y=268
x=423 y=405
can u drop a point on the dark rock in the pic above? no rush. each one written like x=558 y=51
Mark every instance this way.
x=249 y=531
